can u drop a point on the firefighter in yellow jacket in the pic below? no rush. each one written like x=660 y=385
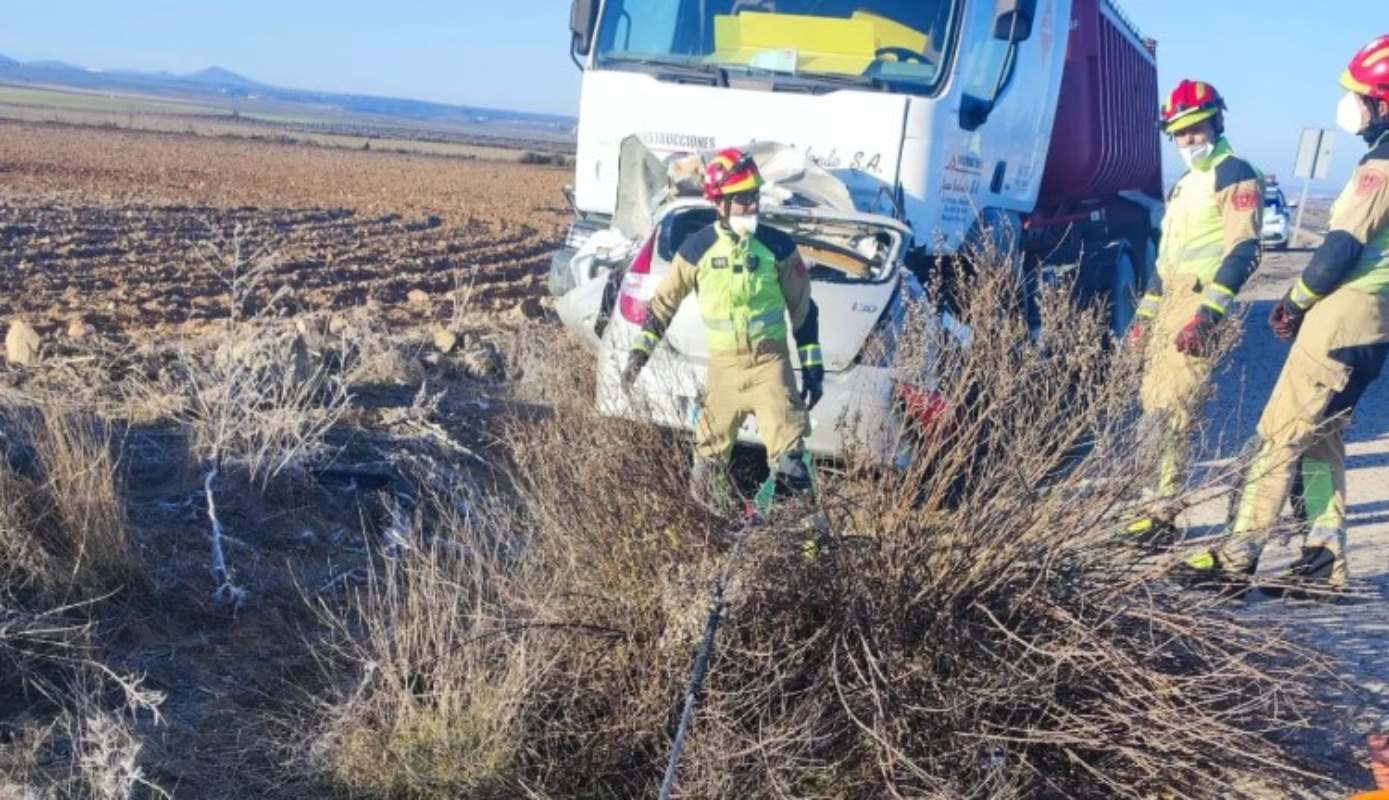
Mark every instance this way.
x=749 y=280
x=1209 y=248
x=1337 y=317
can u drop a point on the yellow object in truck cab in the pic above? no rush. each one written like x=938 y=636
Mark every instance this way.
x=795 y=42
x=890 y=33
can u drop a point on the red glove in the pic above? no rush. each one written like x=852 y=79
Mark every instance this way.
x=1138 y=333
x=1196 y=339
x=1286 y=319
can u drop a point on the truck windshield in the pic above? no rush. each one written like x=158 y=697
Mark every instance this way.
x=896 y=44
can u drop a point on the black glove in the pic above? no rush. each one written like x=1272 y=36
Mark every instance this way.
x=636 y=361
x=812 y=385
x=1286 y=318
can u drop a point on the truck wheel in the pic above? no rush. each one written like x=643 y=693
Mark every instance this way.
x=1110 y=276
x=561 y=278
x=1123 y=291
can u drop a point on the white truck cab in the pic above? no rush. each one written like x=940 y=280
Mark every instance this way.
x=929 y=110
x=1030 y=124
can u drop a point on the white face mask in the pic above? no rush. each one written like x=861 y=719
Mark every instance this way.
x=1349 y=116
x=744 y=225
x=1197 y=155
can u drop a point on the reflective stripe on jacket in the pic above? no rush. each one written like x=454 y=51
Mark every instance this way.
x=1212 y=225
x=740 y=294
x=746 y=288
x=1352 y=254
x=1363 y=210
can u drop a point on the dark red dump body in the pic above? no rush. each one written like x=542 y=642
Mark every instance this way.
x=1105 y=139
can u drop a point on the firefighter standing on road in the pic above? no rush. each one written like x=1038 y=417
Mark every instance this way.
x=1210 y=246
x=1337 y=317
x=748 y=279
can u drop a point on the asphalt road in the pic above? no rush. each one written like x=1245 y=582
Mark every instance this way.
x=1357 y=633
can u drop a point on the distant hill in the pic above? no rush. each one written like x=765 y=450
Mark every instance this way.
x=216 y=76
x=217 y=84
x=52 y=64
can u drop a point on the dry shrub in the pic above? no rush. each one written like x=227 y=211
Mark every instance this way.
x=971 y=629
x=371 y=356
x=63 y=526
x=88 y=752
x=437 y=706
x=262 y=401
x=78 y=464
x=23 y=561
x=78 y=733
x=70 y=722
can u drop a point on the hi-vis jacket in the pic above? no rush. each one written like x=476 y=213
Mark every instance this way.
x=746 y=288
x=1355 y=252
x=1210 y=233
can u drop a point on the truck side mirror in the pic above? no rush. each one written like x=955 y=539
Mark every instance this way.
x=1013 y=19
x=1012 y=24
x=583 y=15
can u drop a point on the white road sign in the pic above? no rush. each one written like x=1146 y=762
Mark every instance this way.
x=1314 y=153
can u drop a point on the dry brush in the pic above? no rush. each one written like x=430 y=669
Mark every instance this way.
x=970 y=629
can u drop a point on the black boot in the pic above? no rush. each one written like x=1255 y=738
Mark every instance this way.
x=1207 y=571
x=1313 y=576
x=793 y=473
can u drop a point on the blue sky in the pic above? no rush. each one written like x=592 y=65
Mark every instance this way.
x=1276 y=60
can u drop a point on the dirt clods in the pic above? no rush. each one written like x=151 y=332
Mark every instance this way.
x=22 y=344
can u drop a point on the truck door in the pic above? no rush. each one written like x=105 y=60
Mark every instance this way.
x=1019 y=85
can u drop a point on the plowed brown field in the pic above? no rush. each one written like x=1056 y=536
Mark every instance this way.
x=120 y=228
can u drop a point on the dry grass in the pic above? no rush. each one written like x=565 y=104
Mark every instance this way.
x=976 y=638
x=66 y=548
x=425 y=711
x=23 y=562
x=262 y=403
x=89 y=746
x=78 y=463
x=63 y=526
x=256 y=403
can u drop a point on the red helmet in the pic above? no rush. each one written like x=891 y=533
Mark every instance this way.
x=732 y=171
x=1191 y=103
x=1368 y=73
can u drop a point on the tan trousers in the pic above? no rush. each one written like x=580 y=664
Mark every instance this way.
x=1338 y=353
x=1173 y=382
x=760 y=383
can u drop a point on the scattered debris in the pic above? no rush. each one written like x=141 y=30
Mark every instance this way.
x=445 y=340
x=78 y=329
x=481 y=359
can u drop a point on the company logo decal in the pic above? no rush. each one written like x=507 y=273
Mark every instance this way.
x=677 y=141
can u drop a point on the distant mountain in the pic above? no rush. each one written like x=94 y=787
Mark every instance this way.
x=216 y=76
x=50 y=63
x=218 y=83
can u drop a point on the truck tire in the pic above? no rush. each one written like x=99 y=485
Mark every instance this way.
x=561 y=278
x=1124 y=291
x=1109 y=276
